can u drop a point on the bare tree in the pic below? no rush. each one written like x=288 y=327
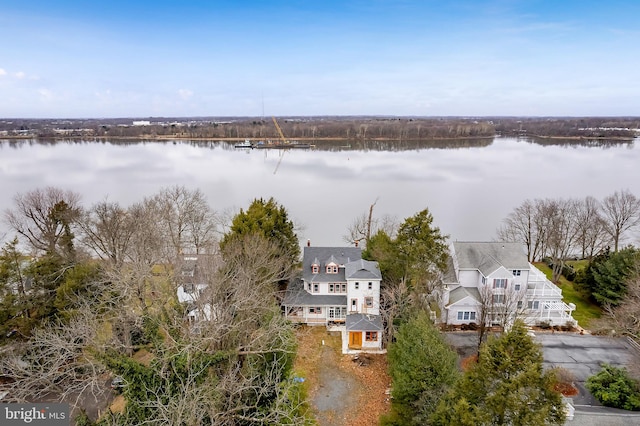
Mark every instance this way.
x=621 y=213
x=107 y=230
x=45 y=218
x=500 y=305
x=146 y=249
x=483 y=316
x=396 y=302
x=186 y=218
x=57 y=361
x=525 y=225
x=591 y=235
x=362 y=227
x=560 y=215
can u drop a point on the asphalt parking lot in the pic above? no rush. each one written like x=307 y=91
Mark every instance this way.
x=583 y=355
x=580 y=354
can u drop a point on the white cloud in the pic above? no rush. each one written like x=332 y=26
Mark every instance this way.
x=45 y=94
x=20 y=75
x=2 y=72
x=185 y=94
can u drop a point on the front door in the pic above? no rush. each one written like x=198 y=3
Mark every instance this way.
x=355 y=339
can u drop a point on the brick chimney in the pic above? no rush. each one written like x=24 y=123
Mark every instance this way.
x=308 y=243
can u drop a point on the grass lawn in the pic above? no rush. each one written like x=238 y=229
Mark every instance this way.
x=585 y=309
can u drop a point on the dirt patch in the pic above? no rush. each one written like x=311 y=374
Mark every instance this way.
x=341 y=390
x=469 y=362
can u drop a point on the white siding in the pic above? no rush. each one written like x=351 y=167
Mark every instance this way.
x=361 y=294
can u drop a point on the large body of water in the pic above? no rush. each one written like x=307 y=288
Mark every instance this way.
x=469 y=189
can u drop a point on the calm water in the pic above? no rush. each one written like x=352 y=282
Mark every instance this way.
x=468 y=189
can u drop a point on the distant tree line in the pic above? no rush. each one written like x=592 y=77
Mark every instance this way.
x=328 y=127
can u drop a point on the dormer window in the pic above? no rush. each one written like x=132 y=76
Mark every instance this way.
x=315 y=268
x=332 y=268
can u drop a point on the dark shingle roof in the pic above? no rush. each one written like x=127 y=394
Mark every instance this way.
x=363 y=322
x=296 y=295
x=362 y=269
x=322 y=256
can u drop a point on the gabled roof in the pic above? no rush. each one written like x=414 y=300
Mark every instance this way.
x=461 y=292
x=296 y=295
x=363 y=322
x=362 y=269
x=339 y=255
x=489 y=256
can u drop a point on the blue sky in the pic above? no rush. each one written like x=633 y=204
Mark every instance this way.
x=394 y=57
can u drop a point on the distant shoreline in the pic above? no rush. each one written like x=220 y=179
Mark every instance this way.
x=165 y=138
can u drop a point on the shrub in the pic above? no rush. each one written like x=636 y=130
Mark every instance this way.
x=613 y=387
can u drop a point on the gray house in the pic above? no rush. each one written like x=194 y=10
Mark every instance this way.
x=339 y=290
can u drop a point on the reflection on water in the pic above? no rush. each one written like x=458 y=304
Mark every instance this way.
x=469 y=185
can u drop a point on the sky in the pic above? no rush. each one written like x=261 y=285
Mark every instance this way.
x=104 y=59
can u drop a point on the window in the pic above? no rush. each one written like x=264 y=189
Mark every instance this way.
x=368 y=301
x=316 y=310
x=516 y=287
x=315 y=268
x=498 y=298
x=370 y=287
x=316 y=287
x=357 y=286
x=484 y=280
x=500 y=283
x=371 y=336
x=332 y=268
x=309 y=286
x=519 y=304
x=337 y=312
x=466 y=315
x=354 y=305
x=533 y=305
x=516 y=272
x=337 y=288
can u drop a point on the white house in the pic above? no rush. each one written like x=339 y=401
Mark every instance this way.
x=498 y=276
x=340 y=290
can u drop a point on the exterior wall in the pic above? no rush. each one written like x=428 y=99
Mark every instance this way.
x=372 y=347
x=465 y=305
x=376 y=344
x=323 y=287
x=360 y=295
x=470 y=278
x=315 y=317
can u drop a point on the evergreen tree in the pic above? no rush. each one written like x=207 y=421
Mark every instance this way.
x=610 y=276
x=423 y=249
x=422 y=367
x=270 y=220
x=506 y=387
